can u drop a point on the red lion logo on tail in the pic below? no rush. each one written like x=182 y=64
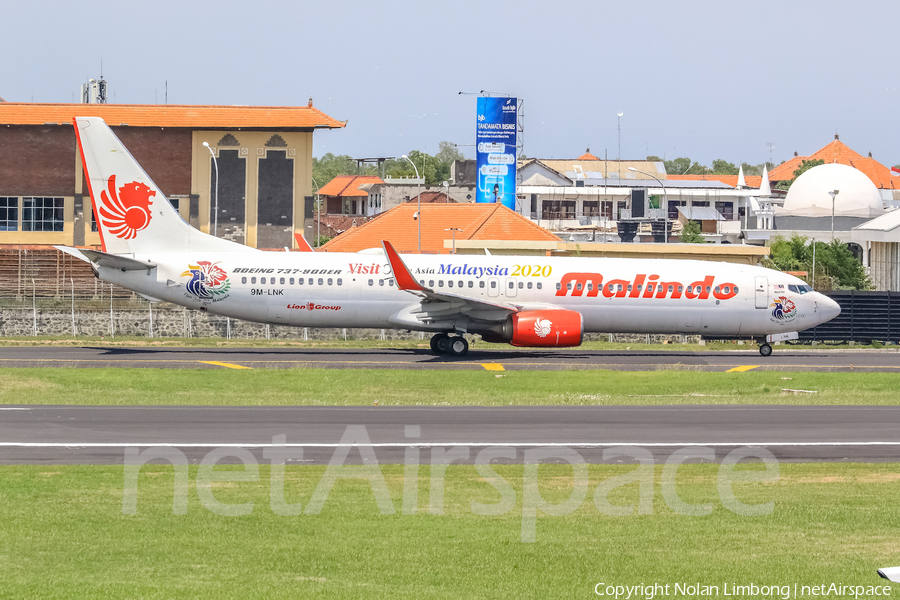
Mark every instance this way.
x=127 y=211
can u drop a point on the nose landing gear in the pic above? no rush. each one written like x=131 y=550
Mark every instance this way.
x=456 y=345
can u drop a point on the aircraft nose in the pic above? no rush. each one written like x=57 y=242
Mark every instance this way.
x=830 y=309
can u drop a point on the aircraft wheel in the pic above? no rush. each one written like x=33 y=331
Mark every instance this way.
x=434 y=342
x=443 y=344
x=458 y=346
x=765 y=350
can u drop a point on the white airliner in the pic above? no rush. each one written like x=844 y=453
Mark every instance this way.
x=531 y=301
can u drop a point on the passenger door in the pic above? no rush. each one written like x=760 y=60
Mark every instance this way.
x=762 y=292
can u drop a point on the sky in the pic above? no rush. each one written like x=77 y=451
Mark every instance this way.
x=704 y=80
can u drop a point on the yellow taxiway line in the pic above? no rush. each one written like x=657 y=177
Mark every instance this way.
x=742 y=368
x=224 y=364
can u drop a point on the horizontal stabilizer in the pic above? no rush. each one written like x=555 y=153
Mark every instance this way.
x=104 y=259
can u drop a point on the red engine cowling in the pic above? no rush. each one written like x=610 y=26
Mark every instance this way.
x=547 y=328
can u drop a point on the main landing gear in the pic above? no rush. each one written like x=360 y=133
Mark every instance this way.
x=765 y=349
x=456 y=345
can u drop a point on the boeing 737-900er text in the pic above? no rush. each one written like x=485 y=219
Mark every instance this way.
x=522 y=300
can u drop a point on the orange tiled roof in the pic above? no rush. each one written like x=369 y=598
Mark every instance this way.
x=477 y=221
x=753 y=181
x=348 y=185
x=171 y=115
x=839 y=152
x=432 y=198
x=587 y=156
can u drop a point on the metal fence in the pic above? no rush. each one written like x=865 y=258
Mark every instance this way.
x=865 y=317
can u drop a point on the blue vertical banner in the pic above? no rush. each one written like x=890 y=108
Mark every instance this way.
x=495 y=140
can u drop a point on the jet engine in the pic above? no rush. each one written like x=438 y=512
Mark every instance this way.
x=546 y=328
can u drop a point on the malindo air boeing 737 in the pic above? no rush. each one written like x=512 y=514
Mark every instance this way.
x=525 y=301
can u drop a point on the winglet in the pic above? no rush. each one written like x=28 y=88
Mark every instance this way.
x=405 y=279
x=302 y=244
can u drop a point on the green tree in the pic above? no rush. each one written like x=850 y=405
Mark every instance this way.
x=805 y=166
x=682 y=165
x=835 y=265
x=723 y=167
x=448 y=152
x=691 y=233
x=330 y=166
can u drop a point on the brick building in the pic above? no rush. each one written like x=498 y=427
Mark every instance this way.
x=264 y=157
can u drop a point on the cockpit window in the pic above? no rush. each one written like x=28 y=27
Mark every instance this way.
x=800 y=289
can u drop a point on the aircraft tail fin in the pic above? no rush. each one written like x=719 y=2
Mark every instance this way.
x=133 y=215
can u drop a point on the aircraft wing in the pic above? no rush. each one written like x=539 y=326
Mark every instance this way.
x=440 y=306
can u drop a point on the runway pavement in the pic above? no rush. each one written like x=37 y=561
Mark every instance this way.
x=539 y=360
x=89 y=435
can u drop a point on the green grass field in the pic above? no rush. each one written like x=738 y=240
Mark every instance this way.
x=435 y=388
x=63 y=535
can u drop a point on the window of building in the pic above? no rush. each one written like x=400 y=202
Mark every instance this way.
x=9 y=214
x=558 y=209
x=174 y=202
x=42 y=214
x=726 y=209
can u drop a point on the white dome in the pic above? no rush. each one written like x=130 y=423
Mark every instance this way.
x=809 y=197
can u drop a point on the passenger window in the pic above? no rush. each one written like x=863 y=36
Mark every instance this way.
x=680 y=288
x=381 y=282
x=440 y=283
x=578 y=287
x=521 y=285
x=471 y=283
x=340 y=281
x=511 y=285
x=493 y=284
x=262 y=280
x=707 y=289
x=310 y=282
x=243 y=280
x=281 y=281
x=735 y=289
x=291 y=282
x=727 y=289
x=431 y=283
x=569 y=286
x=329 y=281
x=539 y=285
x=671 y=288
x=450 y=283
x=321 y=281
x=300 y=281
x=629 y=287
x=620 y=287
x=529 y=285
x=371 y=282
x=460 y=283
x=590 y=286
x=481 y=284
x=390 y=282
x=559 y=286
x=718 y=290
x=690 y=289
x=640 y=287
x=253 y=280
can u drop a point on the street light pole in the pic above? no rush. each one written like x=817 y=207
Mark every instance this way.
x=319 y=209
x=454 y=230
x=419 y=198
x=665 y=201
x=216 y=209
x=833 y=194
